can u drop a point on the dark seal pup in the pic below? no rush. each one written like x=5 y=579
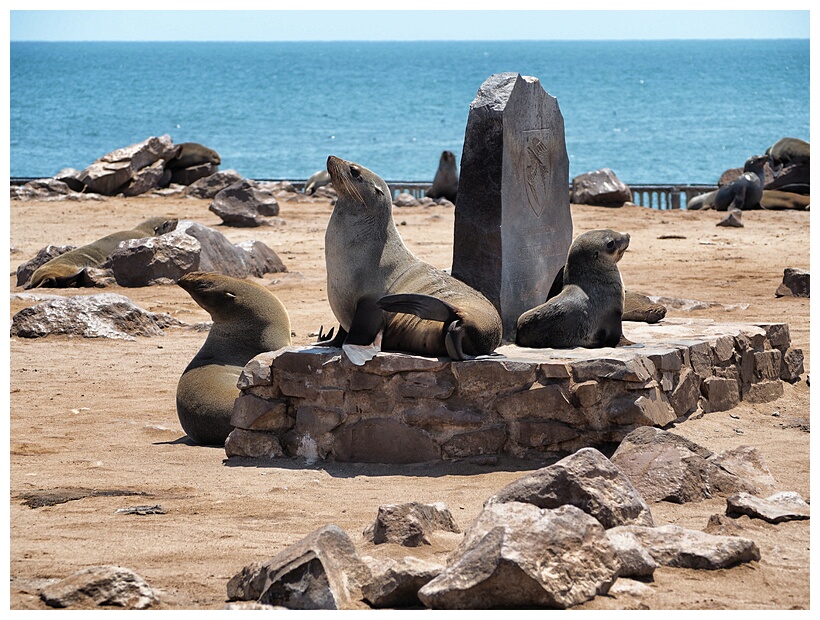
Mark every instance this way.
x=69 y=269
x=375 y=285
x=445 y=183
x=746 y=191
x=588 y=310
x=248 y=320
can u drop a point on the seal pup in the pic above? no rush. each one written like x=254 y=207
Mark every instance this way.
x=588 y=310
x=193 y=154
x=378 y=289
x=69 y=269
x=247 y=320
x=445 y=183
x=316 y=180
x=790 y=151
x=744 y=192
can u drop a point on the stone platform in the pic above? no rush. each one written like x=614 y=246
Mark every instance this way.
x=312 y=402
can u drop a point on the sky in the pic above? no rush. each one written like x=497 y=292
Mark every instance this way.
x=324 y=24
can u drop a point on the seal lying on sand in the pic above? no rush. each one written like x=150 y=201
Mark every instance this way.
x=588 y=310
x=248 y=320
x=445 y=183
x=69 y=269
x=375 y=285
x=316 y=180
x=746 y=191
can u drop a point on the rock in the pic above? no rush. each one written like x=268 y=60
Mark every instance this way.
x=155 y=260
x=518 y=555
x=106 y=315
x=186 y=176
x=667 y=467
x=322 y=571
x=396 y=583
x=410 y=524
x=674 y=546
x=405 y=199
x=71 y=177
x=777 y=508
x=587 y=480
x=795 y=282
x=211 y=185
x=792 y=365
x=601 y=187
x=513 y=225
x=245 y=204
x=262 y=259
x=100 y=586
x=44 y=255
x=252 y=444
x=383 y=440
x=722 y=525
x=732 y=219
x=633 y=557
x=40 y=189
x=145 y=179
x=109 y=174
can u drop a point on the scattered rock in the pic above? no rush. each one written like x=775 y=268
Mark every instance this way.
x=633 y=557
x=518 y=555
x=674 y=546
x=783 y=506
x=601 y=187
x=322 y=571
x=245 y=204
x=732 y=219
x=112 y=172
x=154 y=509
x=209 y=186
x=410 y=524
x=105 y=315
x=667 y=467
x=100 y=586
x=587 y=480
x=795 y=283
x=396 y=583
x=722 y=525
x=405 y=199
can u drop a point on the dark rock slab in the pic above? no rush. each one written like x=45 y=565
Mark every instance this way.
x=795 y=283
x=100 y=586
x=411 y=524
x=587 y=480
x=518 y=555
x=322 y=571
x=191 y=174
x=383 y=440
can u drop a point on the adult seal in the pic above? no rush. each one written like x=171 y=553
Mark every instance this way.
x=378 y=289
x=588 y=310
x=315 y=181
x=69 y=269
x=746 y=191
x=193 y=154
x=247 y=320
x=445 y=183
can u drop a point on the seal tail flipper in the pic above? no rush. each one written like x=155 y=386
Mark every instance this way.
x=423 y=306
x=359 y=354
x=329 y=340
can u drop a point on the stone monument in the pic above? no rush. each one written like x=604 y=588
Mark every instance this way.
x=513 y=225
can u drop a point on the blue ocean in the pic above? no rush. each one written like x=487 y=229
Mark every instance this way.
x=653 y=111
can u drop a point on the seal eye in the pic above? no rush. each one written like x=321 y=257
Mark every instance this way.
x=610 y=245
x=355 y=172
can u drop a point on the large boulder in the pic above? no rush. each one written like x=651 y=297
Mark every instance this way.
x=601 y=187
x=245 y=203
x=100 y=586
x=211 y=185
x=112 y=172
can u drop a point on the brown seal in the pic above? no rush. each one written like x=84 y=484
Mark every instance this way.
x=445 y=183
x=69 y=269
x=376 y=286
x=588 y=310
x=247 y=320
x=193 y=154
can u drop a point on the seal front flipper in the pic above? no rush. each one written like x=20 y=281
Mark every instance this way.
x=329 y=340
x=364 y=339
x=557 y=285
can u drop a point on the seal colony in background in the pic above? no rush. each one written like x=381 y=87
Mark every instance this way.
x=247 y=320
x=381 y=294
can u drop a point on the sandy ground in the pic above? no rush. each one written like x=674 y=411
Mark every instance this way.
x=95 y=419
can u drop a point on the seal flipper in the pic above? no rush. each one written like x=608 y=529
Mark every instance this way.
x=557 y=285
x=329 y=340
x=364 y=340
x=423 y=306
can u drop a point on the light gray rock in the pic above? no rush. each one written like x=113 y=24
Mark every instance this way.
x=587 y=480
x=101 y=586
x=664 y=466
x=41 y=189
x=601 y=187
x=262 y=258
x=513 y=226
x=410 y=524
x=674 y=546
x=106 y=315
x=155 y=260
x=245 y=204
x=252 y=444
x=109 y=174
x=322 y=571
x=44 y=255
x=405 y=199
x=518 y=555
x=777 y=508
x=396 y=583
x=633 y=557
x=211 y=185
x=145 y=179
x=71 y=177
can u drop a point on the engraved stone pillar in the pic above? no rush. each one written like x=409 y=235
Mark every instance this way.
x=513 y=226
